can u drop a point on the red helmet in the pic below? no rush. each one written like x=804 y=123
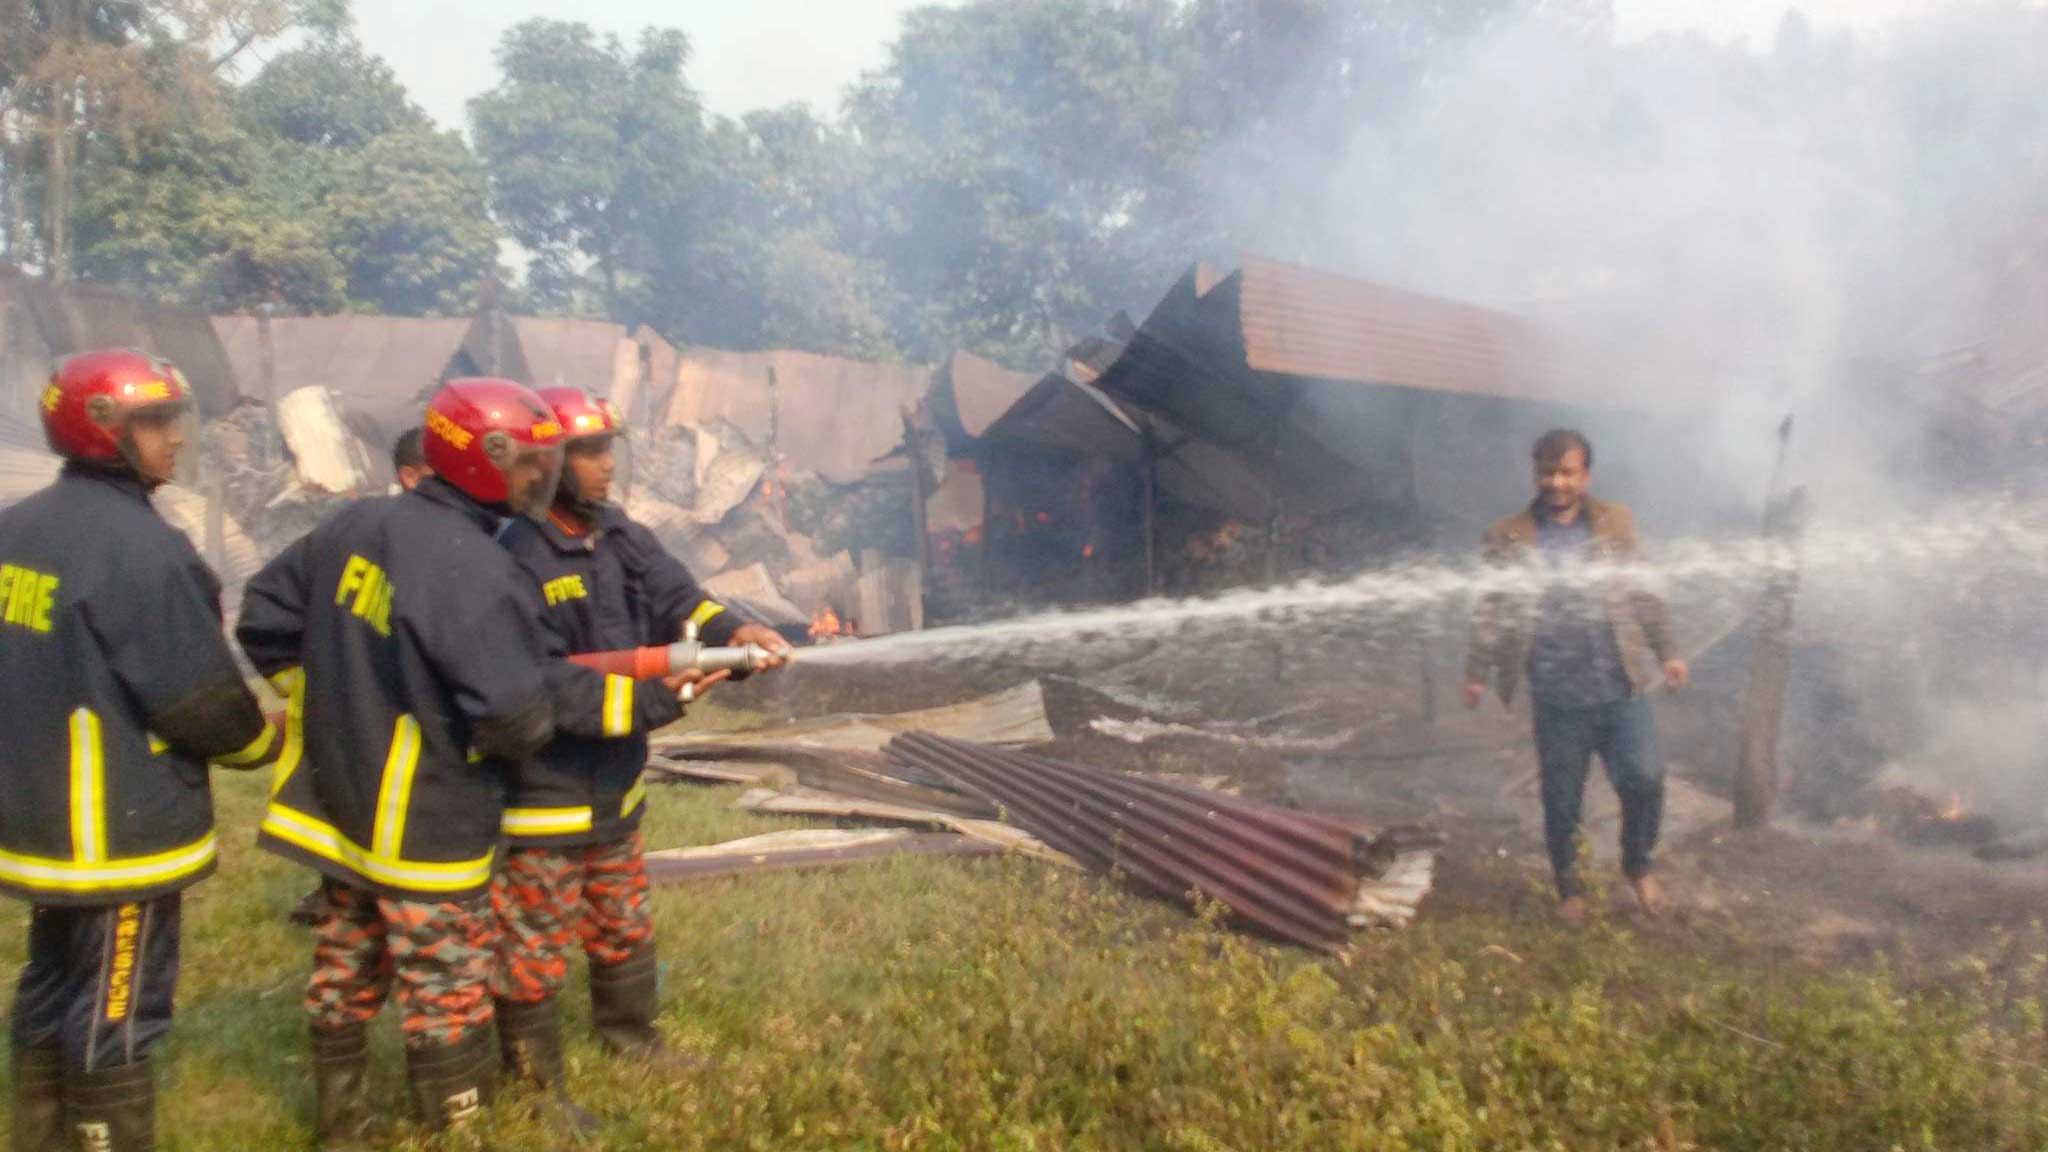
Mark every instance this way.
x=496 y=441
x=582 y=417
x=92 y=396
x=584 y=420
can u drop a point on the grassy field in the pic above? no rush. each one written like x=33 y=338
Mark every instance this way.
x=1005 y=1005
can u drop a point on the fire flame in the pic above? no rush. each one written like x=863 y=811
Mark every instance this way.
x=826 y=625
x=1955 y=809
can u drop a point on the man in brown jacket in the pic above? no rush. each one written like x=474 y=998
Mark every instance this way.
x=1593 y=643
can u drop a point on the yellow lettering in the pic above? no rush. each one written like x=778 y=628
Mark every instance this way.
x=52 y=396
x=46 y=602
x=121 y=980
x=27 y=598
x=564 y=588
x=367 y=591
x=546 y=430
x=351 y=578
x=449 y=430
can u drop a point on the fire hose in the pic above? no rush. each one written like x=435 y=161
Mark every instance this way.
x=687 y=655
x=674 y=660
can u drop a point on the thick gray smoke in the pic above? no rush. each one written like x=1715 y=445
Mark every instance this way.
x=1851 y=229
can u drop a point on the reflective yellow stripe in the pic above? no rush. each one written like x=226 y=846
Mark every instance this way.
x=618 y=706
x=326 y=841
x=88 y=790
x=705 y=612
x=157 y=747
x=42 y=874
x=255 y=750
x=394 y=796
x=634 y=795
x=546 y=821
x=291 y=684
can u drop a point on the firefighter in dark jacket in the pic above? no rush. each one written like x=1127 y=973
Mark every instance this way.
x=417 y=671
x=120 y=690
x=575 y=873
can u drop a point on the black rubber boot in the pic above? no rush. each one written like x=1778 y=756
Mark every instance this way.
x=341 y=1084
x=113 y=1109
x=452 y=1082
x=38 y=1099
x=624 y=998
x=530 y=1037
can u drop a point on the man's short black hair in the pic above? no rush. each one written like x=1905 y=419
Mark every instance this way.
x=1552 y=445
x=406 y=453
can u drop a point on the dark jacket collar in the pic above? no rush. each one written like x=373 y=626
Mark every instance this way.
x=438 y=491
x=120 y=479
x=606 y=521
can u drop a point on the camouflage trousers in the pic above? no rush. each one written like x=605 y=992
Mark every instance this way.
x=549 y=902
x=438 y=956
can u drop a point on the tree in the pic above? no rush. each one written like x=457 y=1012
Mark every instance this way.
x=587 y=145
x=174 y=217
x=1017 y=149
x=409 y=219
x=321 y=188
x=763 y=258
x=329 y=94
x=81 y=70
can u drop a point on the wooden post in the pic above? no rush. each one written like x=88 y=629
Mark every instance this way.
x=920 y=499
x=1424 y=657
x=1770 y=663
x=1150 y=466
x=216 y=516
x=266 y=348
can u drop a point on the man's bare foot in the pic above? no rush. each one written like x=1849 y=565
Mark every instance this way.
x=1572 y=910
x=1649 y=895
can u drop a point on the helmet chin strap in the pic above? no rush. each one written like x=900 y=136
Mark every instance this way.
x=567 y=499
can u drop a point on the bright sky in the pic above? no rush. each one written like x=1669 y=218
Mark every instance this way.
x=761 y=53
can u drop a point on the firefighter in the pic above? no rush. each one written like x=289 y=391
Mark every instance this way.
x=575 y=874
x=409 y=460
x=409 y=465
x=120 y=690
x=417 y=669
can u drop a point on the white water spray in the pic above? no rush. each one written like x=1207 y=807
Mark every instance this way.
x=1986 y=540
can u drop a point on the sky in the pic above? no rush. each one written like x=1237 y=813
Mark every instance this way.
x=764 y=53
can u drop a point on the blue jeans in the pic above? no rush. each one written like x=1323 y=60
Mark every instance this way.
x=1625 y=736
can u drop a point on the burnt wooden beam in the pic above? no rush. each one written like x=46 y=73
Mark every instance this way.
x=1770 y=664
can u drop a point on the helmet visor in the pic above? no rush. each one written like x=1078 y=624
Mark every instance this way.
x=531 y=476
x=151 y=438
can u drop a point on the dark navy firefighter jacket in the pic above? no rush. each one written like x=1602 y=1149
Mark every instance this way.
x=119 y=690
x=610 y=588
x=419 y=677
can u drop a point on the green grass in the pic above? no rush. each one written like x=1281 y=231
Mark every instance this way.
x=1004 y=1005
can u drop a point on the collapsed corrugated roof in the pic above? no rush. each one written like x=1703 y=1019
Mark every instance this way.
x=1301 y=322
x=983 y=390
x=1291 y=875
x=586 y=354
x=1067 y=416
x=821 y=414
x=40 y=323
x=1279 y=386
x=645 y=395
x=382 y=367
